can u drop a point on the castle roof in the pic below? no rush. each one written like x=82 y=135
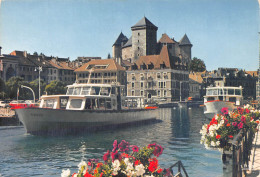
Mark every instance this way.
x=157 y=60
x=252 y=73
x=144 y=22
x=129 y=42
x=100 y=65
x=197 y=76
x=166 y=39
x=121 y=39
x=185 y=40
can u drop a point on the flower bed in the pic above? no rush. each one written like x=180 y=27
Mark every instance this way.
x=124 y=160
x=226 y=125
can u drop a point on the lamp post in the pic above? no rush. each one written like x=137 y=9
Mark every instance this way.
x=40 y=70
x=23 y=86
x=180 y=90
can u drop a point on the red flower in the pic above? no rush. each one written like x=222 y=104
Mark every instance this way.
x=228 y=125
x=218 y=136
x=101 y=174
x=137 y=162
x=115 y=146
x=116 y=155
x=153 y=165
x=247 y=111
x=88 y=175
x=230 y=136
x=243 y=119
x=99 y=165
x=160 y=170
x=158 y=150
x=74 y=174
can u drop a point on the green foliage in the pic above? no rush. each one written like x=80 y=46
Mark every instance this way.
x=197 y=65
x=12 y=85
x=35 y=86
x=2 y=89
x=56 y=87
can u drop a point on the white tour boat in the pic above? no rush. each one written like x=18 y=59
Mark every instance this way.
x=218 y=97
x=84 y=107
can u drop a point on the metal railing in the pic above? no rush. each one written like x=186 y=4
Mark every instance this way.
x=181 y=169
x=241 y=150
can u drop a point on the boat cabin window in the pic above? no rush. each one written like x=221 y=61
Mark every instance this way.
x=48 y=103
x=238 y=91
x=70 y=91
x=95 y=90
x=77 y=91
x=231 y=91
x=212 y=92
x=232 y=99
x=220 y=91
x=210 y=99
x=105 y=91
x=75 y=103
x=85 y=91
x=113 y=91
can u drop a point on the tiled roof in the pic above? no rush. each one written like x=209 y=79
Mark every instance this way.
x=185 y=40
x=129 y=43
x=112 y=65
x=157 y=60
x=197 y=76
x=61 y=65
x=121 y=39
x=144 y=22
x=166 y=39
x=252 y=73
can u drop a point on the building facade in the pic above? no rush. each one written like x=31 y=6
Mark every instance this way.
x=158 y=78
x=105 y=71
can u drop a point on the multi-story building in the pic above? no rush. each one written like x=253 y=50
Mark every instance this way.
x=144 y=42
x=82 y=60
x=23 y=64
x=105 y=71
x=196 y=85
x=158 y=78
x=233 y=77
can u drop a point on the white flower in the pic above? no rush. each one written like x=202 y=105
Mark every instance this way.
x=82 y=163
x=213 y=143
x=65 y=173
x=148 y=176
x=116 y=167
x=139 y=170
x=218 y=143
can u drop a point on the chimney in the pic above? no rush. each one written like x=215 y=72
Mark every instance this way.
x=0 y=51
x=25 y=54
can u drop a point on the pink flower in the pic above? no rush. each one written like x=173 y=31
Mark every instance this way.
x=124 y=146
x=151 y=145
x=247 y=111
x=115 y=146
x=224 y=110
x=234 y=124
x=135 y=148
x=106 y=156
x=116 y=155
x=158 y=150
x=243 y=119
x=240 y=125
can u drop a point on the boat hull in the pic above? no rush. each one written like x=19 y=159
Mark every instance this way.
x=57 y=121
x=214 y=107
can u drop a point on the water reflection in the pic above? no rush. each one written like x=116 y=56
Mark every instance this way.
x=178 y=133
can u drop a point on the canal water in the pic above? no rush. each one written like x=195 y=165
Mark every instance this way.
x=178 y=132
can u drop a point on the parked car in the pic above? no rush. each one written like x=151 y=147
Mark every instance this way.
x=4 y=104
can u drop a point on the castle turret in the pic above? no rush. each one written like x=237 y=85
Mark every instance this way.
x=144 y=38
x=185 y=47
x=117 y=46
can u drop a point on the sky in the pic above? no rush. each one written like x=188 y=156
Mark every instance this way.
x=224 y=33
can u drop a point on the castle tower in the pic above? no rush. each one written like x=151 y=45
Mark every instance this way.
x=117 y=46
x=170 y=43
x=144 y=38
x=185 y=48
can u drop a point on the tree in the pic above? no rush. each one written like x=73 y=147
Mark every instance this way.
x=12 y=86
x=2 y=89
x=56 y=87
x=197 y=65
x=35 y=86
x=108 y=56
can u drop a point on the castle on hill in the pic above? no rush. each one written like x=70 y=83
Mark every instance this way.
x=144 y=42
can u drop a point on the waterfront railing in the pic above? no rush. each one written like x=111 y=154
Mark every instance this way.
x=181 y=169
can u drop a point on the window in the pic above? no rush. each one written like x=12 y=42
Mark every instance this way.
x=75 y=103
x=133 y=93
x=165 y=93
x=158 y=93
x=142 y=93
x=158 y=75
x=49 y=103
x=133 y=84
x=142 y=84
x=69 y=91
x=77 y=91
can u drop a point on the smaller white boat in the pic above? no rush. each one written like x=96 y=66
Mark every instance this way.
x=218 y=97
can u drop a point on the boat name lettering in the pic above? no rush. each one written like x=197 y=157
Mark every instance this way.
x=37 y=115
